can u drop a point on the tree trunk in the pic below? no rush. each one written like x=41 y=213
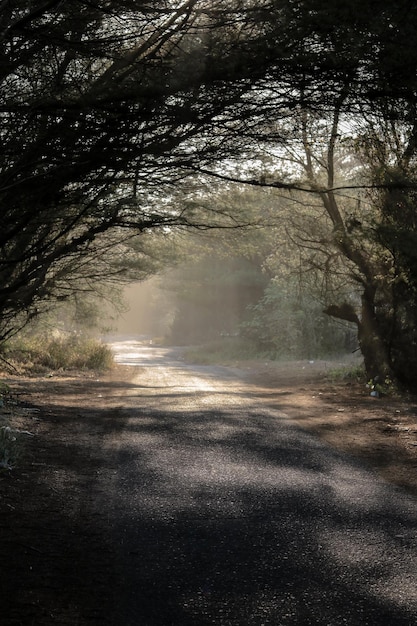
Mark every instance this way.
x=370 y=336
x=371 y=342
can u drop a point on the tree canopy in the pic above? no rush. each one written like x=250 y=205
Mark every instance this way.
x=103 y=110
x=112 y=113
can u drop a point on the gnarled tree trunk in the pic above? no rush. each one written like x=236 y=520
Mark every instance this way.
x=370 y=336
x=372 y=343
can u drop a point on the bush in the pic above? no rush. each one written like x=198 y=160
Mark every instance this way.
x=65 y=352
x=285 y=325
x=10 y=447
x=348 y=373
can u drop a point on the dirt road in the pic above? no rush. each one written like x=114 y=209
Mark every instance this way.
x=173 y=495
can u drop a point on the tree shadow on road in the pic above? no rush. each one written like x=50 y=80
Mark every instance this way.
x=153 y=516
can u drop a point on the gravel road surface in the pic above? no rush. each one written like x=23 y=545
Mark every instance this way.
x=223 y=512
x=176 y=495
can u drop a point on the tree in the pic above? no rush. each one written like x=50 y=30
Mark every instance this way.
x=253 y=284
x=211 y=296
x=356 y=234
x=357 y=231
x=109 y=109
x=389 y=152
x=103 y=110
x=288 y=322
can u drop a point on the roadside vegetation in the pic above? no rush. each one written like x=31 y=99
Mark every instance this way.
x=42 y=350
x=38 y=354
x=250 y=295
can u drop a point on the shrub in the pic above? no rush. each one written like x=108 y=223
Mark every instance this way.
x=349 y=373
x=287 y=326
x=62 y=352
x=10 y=447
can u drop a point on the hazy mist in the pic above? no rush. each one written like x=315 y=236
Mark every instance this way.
x=147 y=312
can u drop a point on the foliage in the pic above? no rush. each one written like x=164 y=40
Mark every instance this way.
x=355 y=237
x=379 y=387
x=394 y=232
x=11 y=440
x=104 y=112
x=211 y=296
x=348 y=373
x=285 y=323
x=4 y=391
x=253 y=288
x=113 y=115
x=10 y=447
x=62 y=352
